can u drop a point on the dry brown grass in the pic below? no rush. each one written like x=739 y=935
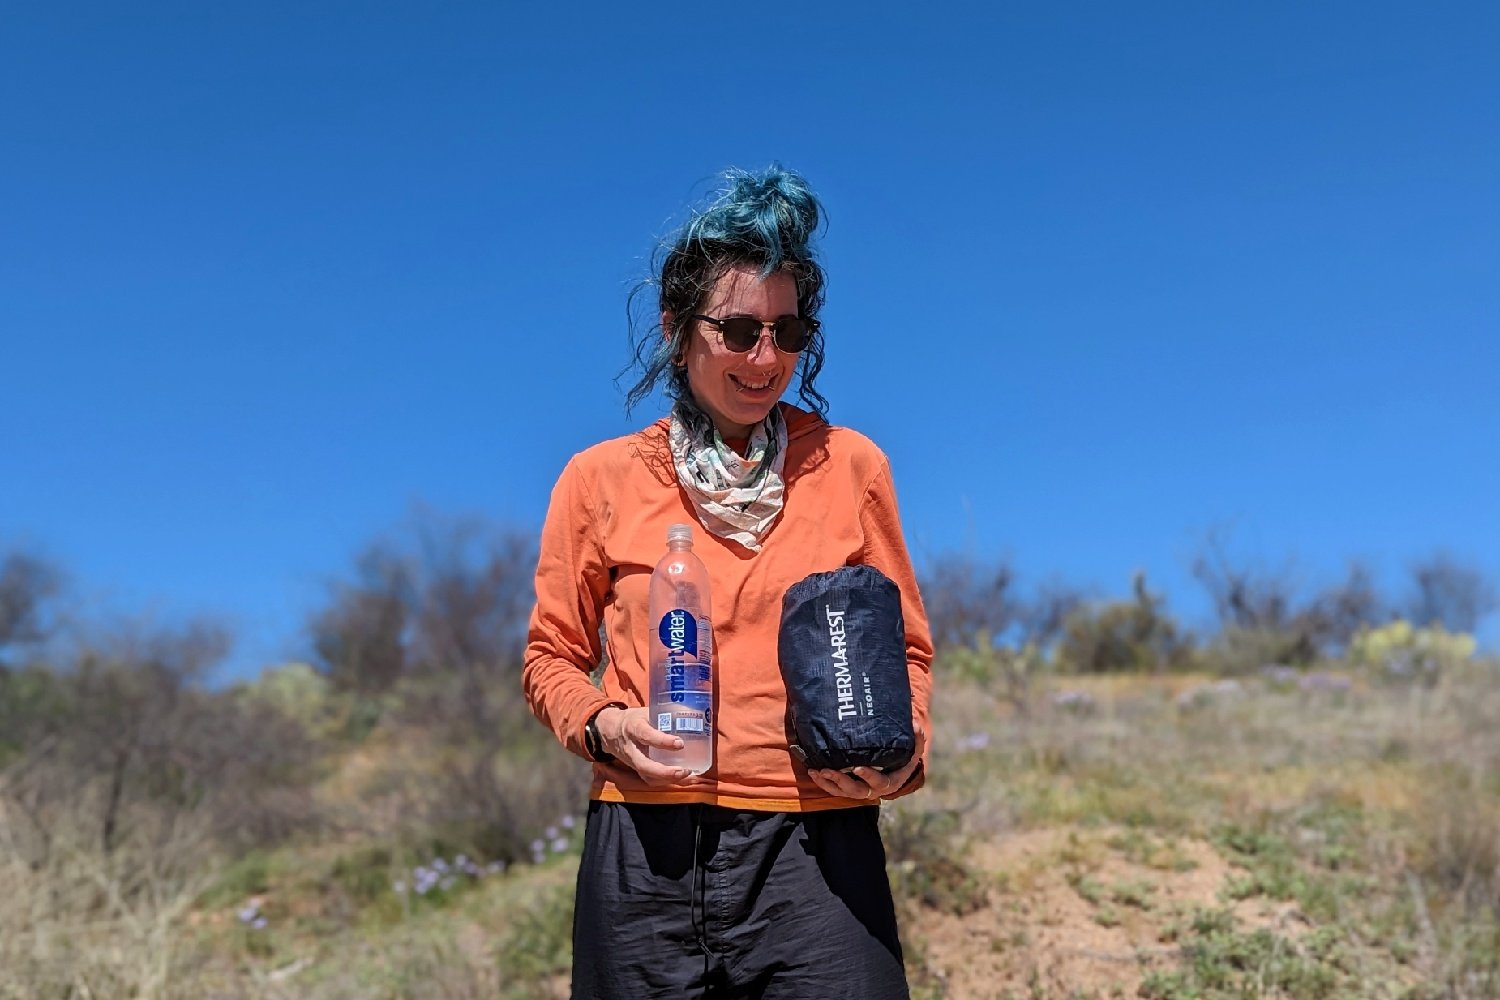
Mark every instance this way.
x=77 y=921
x=1134 y=843
x=1369 y=816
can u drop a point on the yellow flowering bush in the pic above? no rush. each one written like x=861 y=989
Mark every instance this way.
x=1401 y=651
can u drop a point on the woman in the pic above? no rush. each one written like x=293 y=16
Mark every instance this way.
x=758 y=877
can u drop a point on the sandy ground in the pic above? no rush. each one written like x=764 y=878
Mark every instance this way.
x=1078 y=913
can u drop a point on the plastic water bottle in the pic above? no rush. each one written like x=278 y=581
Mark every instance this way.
x=682 y=653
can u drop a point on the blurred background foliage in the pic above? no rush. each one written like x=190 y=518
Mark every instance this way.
x=396 y=765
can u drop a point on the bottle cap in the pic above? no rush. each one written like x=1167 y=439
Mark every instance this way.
x=680 y=533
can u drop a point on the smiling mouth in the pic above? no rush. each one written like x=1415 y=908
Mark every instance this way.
x=753 y=385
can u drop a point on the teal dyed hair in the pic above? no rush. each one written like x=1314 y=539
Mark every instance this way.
x=765 y=222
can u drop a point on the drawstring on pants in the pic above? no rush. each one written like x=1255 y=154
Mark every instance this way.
x=696 y=892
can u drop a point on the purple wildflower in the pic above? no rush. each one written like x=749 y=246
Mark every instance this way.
x=424 y=880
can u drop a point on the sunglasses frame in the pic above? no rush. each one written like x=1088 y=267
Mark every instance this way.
x=775 y=327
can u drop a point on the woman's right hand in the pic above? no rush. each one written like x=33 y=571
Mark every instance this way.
x=627 y=732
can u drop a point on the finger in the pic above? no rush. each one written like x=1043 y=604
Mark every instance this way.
x=655 y=773
x=646 y=734
x=877 y=780
x=846 y=785
x=686 y=780
x=659 y=773
x=826 y=785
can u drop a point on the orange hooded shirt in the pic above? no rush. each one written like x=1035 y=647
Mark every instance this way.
x=606 y=528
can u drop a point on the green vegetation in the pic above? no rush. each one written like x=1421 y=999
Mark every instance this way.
x=1116 y=808
x=1224 y=962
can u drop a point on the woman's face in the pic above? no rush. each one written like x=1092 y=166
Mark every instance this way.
x=738 y=390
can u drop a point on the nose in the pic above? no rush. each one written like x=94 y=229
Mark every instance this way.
x=764 y=351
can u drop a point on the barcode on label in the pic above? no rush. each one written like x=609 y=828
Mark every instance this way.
x=690 y=725
x=664 y=721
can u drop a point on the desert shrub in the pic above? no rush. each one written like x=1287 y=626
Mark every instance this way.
x=926 y=857
x=1225 y=962
x=502 y=806
x=125 y=734
x=296 y=691
x=428 y=789
x=1239 y=650
x=964 y=597
x=363 y=874
x=29 y=587
x=441 y=597
x=1135 y=635
x=82 y=920
x=1458 y=838
x=1399 y=652
x=1008 y=671
x=537 y=941
x=1449 y=593
x=33 y=701
x=423 y=646
x=1266 y=617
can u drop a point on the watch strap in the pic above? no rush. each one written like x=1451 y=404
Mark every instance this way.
x=593 y=744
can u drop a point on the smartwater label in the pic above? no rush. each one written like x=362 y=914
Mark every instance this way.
x=705 y=649
x=679 y=633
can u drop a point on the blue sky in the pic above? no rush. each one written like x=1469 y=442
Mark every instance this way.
x=1103 y=278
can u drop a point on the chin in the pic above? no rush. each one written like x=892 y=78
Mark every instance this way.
x=752 y=417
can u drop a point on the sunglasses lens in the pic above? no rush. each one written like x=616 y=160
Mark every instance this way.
x=740 y=333
x=792 y=334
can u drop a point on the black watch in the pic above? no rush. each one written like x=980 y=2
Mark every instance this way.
x=592 y=744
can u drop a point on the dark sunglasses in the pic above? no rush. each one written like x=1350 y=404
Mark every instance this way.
x=790 y=334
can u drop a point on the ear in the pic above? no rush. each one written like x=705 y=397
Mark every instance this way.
x=666 y=333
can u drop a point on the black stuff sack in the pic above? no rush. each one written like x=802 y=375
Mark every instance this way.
x=843 y=656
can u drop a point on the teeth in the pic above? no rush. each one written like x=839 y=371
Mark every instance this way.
x=753 y=385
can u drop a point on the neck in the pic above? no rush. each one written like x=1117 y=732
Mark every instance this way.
x=736 y=436
x=739 y=441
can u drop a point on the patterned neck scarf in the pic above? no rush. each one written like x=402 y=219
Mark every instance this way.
x=735 y=497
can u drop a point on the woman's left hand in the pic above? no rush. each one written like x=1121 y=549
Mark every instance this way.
x=868 y=783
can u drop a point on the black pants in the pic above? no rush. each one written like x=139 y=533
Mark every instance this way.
x=699 y=901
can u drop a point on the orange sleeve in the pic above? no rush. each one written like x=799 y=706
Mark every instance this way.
x=885 y=549
x=562 y=641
